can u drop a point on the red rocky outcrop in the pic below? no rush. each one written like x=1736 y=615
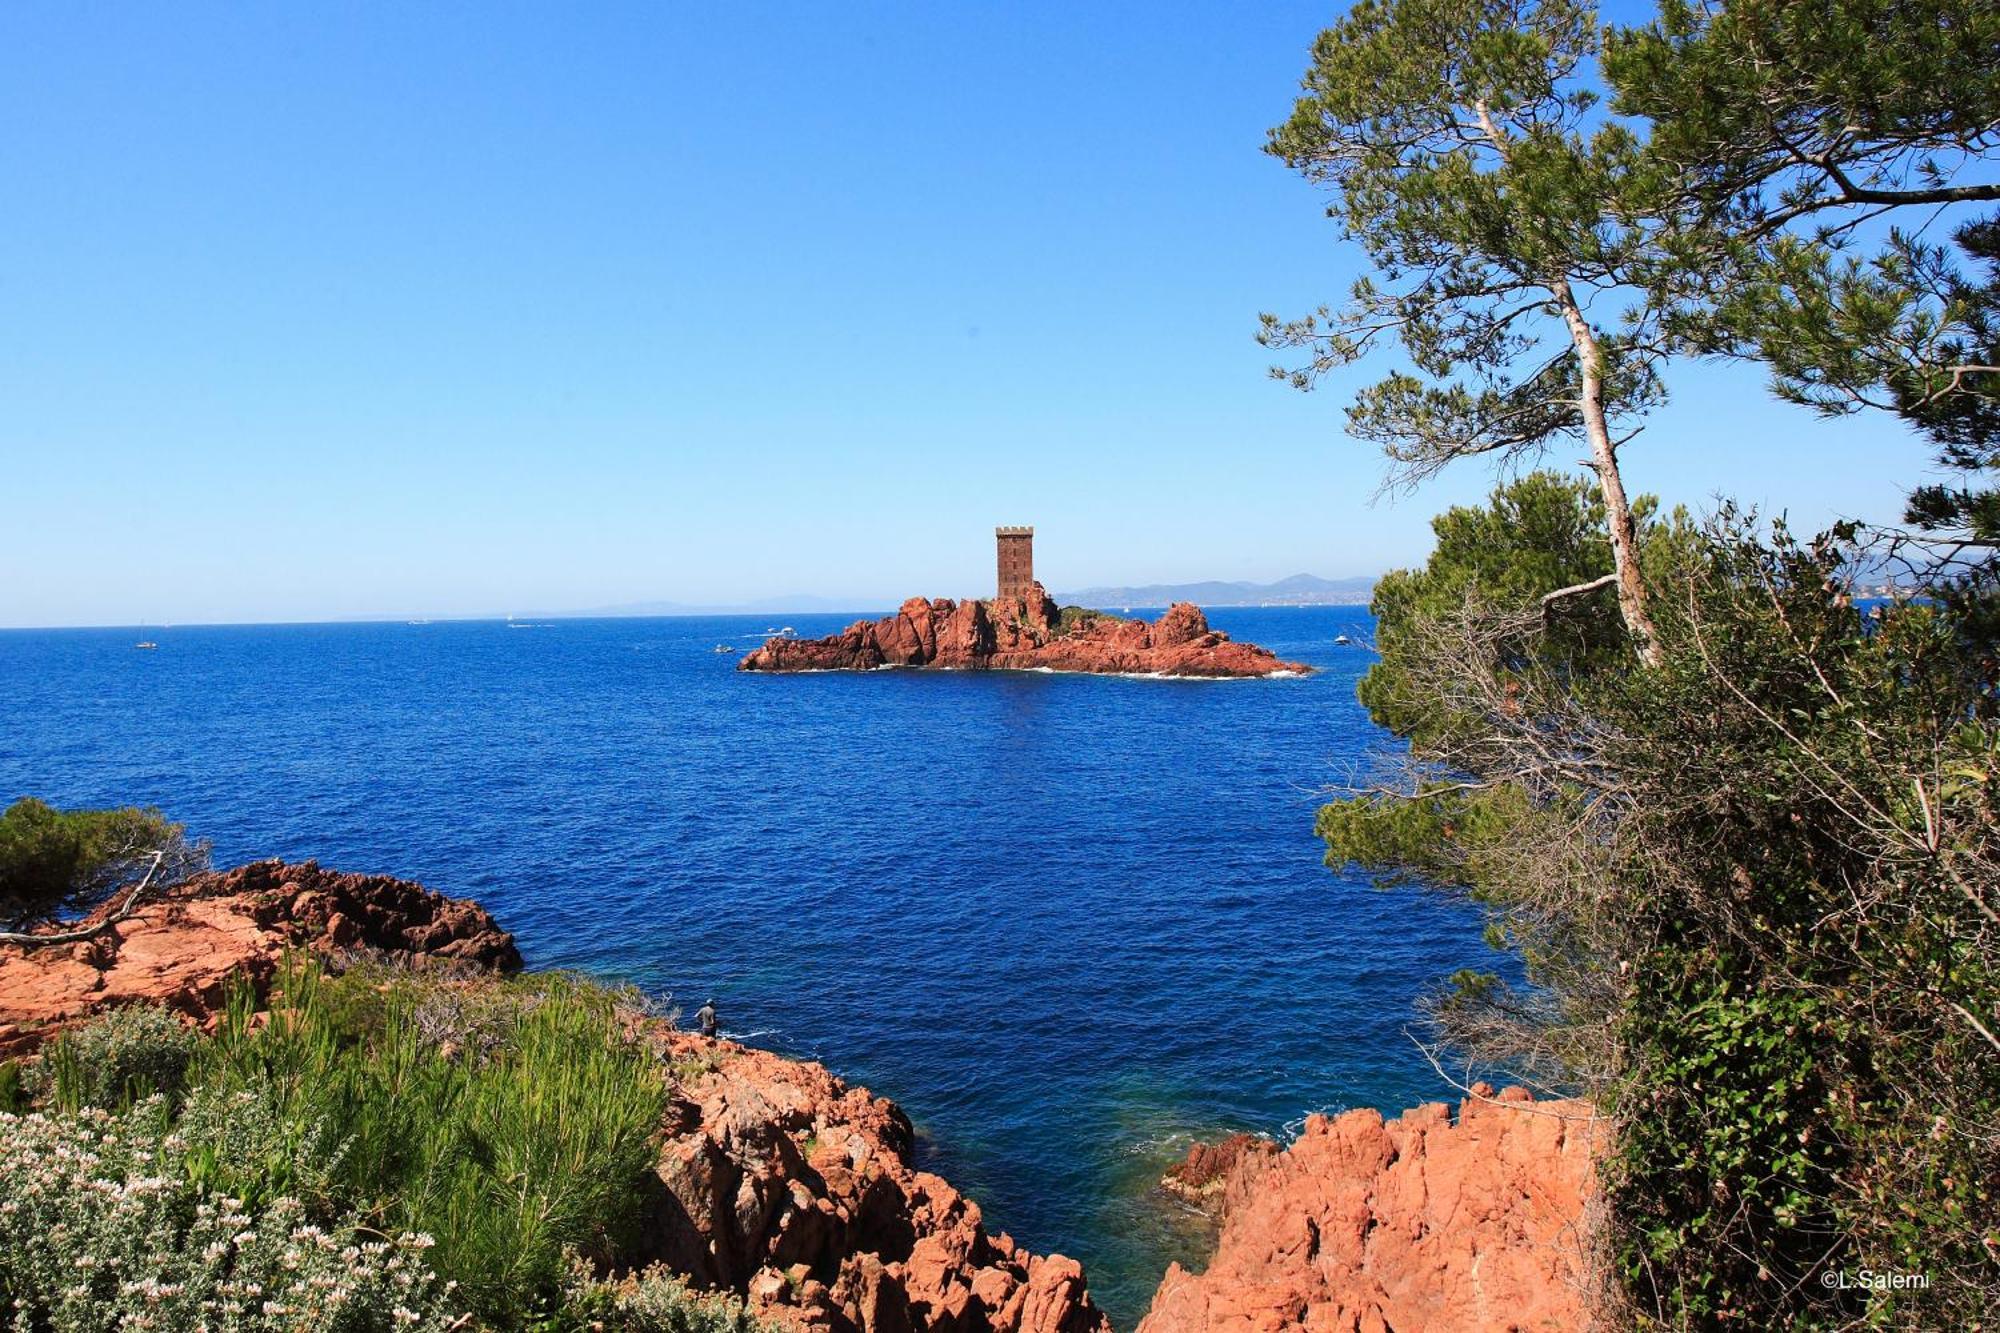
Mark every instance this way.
x=1209 y=1167
x=776 y=1180
x=1023 y=634
x=182 y=947
x=787 y=1185
x=1416 y=1223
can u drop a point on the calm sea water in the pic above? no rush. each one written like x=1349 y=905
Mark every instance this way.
x=1069 y=923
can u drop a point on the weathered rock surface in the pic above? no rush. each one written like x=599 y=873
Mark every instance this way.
x=787 y=1185
x=1419 y=1223
x=182 y=947
x=1023 y=634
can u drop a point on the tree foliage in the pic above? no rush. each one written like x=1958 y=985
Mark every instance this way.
x=57 y=861
x=1776 y=112
x=1505 y=217
x=1815 y=147
x=1755 y=889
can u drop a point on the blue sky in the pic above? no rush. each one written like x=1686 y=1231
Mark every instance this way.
x=316 y=312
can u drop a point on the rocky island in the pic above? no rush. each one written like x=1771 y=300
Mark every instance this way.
x=1022 y=629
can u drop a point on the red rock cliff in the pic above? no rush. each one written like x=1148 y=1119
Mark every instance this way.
x=182 y=947
x=788 y=1185
x=1419 y=1224
x=1020 y=634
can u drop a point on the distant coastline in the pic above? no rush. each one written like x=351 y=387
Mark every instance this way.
x=1298 y=590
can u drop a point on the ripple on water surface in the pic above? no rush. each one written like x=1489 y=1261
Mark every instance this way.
x=1070 y=923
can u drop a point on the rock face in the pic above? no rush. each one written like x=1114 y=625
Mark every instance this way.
x=1023 y=634
x=182 y=948
x=787 y=1185
x=1364 y=1226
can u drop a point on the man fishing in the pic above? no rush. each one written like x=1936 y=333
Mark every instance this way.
x=706 y=1016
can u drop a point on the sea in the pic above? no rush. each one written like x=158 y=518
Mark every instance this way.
x=1070 y=923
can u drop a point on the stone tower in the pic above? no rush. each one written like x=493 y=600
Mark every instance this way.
x=1017 y=561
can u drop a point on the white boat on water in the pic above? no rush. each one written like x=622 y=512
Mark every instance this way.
x=1342 y=638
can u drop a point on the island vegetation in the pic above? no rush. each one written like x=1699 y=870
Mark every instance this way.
x=1073 y=619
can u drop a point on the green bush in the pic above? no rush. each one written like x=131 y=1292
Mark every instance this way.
x=654 y=1301
x=53 y=859
x=102 y=1228
x=242 y=1143
x=1753 y=890
x=1073 y=618
x=511 y=1125
x=114 y=1060
x=513 y=1121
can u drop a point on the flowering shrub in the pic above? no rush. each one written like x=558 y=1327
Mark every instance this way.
x=102 y=1227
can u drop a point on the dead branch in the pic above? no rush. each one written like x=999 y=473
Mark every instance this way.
x=30 y=940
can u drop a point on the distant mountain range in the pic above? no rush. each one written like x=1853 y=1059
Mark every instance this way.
x=1298 y=590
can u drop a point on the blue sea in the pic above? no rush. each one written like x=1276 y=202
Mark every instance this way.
x=1070 y=923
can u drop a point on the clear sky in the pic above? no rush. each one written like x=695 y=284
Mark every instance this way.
x=323 y=311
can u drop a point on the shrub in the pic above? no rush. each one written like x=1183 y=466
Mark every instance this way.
x=243 y=1144
x=1073 y=618
x=56 y=860
x=114 y=1060
x=513 y=1121
x=101 y=1227
x=653 y=1301
x=1754 y=886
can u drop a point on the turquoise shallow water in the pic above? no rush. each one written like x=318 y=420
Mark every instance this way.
x=1068 y=922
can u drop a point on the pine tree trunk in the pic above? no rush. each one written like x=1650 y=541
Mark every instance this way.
x=1632 y=599
x=1633 y=602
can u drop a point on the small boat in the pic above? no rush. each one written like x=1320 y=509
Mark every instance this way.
x=722 y=648
x=148 y=643
x=1342 y=638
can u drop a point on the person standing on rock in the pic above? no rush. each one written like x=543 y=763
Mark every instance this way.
x=707 y=1018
